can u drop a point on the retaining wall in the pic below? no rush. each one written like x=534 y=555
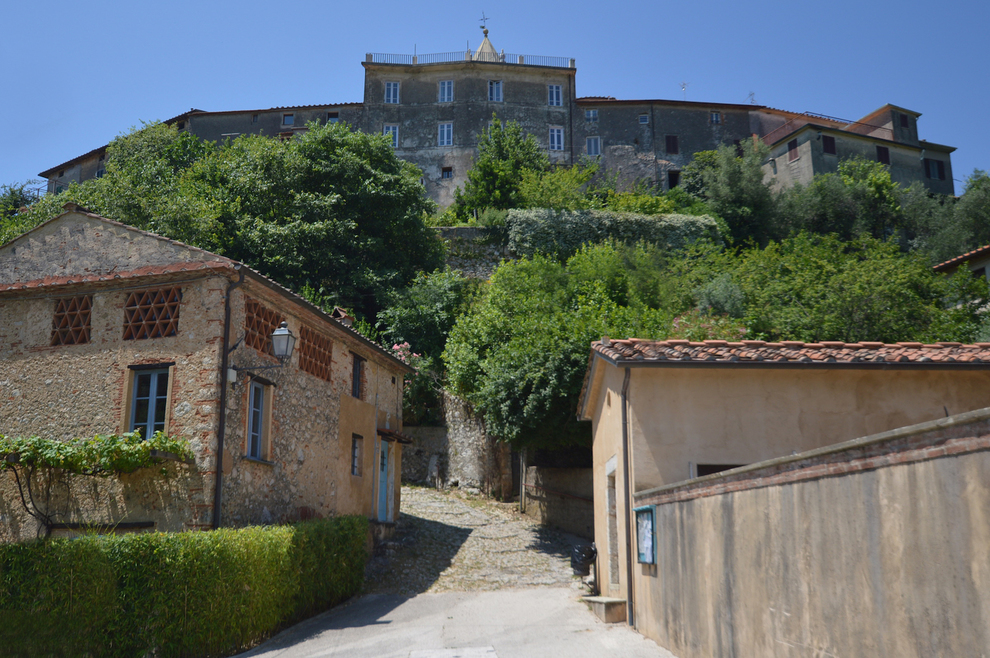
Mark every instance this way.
x=874 y=547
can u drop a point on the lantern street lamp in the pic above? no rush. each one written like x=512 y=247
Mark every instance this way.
x=282 y=343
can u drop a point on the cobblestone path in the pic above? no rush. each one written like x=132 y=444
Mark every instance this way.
x=455 y=541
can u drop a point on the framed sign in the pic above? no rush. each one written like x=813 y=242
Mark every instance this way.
x=645 y=546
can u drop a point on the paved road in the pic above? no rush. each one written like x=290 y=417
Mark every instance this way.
x=464 y=578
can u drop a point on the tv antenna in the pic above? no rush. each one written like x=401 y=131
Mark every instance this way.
x=752 y=98
x=684 y=86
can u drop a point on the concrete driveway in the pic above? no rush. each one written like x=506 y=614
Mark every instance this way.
x=508 y=623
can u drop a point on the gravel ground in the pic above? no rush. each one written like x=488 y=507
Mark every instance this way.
x=454 y=541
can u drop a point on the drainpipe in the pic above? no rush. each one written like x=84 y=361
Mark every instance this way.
x=222 y=429
x=627 y=486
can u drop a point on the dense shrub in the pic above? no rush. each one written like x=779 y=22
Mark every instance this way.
x=563 y=232
x=174 y=594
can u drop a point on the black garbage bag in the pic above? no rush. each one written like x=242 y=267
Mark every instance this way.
x=582 y=557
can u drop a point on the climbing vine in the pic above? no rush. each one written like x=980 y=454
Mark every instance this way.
x=39 y=461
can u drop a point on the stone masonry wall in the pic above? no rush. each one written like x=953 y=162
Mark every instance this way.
x=81 y=390
x=475 y=458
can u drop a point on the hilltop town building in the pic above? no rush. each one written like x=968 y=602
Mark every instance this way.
x=433 y=108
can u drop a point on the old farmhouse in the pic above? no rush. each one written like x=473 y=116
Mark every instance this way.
x=105 y=329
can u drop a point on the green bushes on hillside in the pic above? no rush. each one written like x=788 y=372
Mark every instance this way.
x=182 y=594
x=562 y=233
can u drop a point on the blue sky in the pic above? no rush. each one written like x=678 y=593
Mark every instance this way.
x=77 y=74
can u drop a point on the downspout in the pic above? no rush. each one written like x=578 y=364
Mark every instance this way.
x=630 y=619
x=222 y=429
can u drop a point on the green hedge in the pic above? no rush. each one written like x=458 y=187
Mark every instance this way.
x=181 y=594
x=563 y=232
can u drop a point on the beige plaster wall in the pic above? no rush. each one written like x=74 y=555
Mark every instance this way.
x=607 y=445
x=684 y=416
x=80 y=390
x=888 y=561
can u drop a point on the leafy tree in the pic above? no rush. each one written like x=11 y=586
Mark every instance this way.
x=423 y=313
x=504 y=154
x=520 y=354
x=561 y=188
x=15 y=197
x=734 y=187
x=815 y=288
x=330 y=213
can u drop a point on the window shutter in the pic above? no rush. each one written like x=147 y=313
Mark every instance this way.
x=941 y=170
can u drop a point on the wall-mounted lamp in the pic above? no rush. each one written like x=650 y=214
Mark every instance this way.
x=283 y=342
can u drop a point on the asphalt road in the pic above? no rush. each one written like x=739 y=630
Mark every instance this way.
x=534 y=622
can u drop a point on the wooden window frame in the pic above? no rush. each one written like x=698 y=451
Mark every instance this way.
x=134 y=372
x=792 y=150
x=828 y=140
x=357 y=376
x=260 y=423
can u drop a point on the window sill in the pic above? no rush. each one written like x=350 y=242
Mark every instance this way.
x=258 y=461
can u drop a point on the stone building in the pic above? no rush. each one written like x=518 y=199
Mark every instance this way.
x=105 y=328
x=433 y=108
x=828 y=494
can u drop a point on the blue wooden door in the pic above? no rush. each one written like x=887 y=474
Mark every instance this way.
x=383 y=483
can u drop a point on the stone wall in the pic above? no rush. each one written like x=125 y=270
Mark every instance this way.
x=74 y=391
x=561 y=497
x=874 y=547
x=475 y=459
x=474 y=251
x=425 y=461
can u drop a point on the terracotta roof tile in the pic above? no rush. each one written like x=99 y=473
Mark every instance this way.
x=790 y=352
x=969 y=255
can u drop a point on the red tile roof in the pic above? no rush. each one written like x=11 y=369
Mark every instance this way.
x=958 y=260
x=150 y=270
x=634 y=351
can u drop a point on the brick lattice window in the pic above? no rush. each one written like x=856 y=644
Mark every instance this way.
x=152 y=313
x=71 y=322
x=259 y=324
x=315 y=353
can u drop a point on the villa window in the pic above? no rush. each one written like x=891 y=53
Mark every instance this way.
x=148 y=399
x=392 y=93
x=357 y=376
x=594 y=146
x=259 y=419
x=556 y=138
x=445 y=134
x=554 y=96
x=445 y=91
x=392 y=130
x=495 y=91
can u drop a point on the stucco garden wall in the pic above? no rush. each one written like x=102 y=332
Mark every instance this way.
x=878 y=547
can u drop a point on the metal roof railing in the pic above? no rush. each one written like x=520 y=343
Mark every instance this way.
x=468 y=56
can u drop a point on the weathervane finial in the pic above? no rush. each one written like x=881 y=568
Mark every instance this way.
x=484 y=23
